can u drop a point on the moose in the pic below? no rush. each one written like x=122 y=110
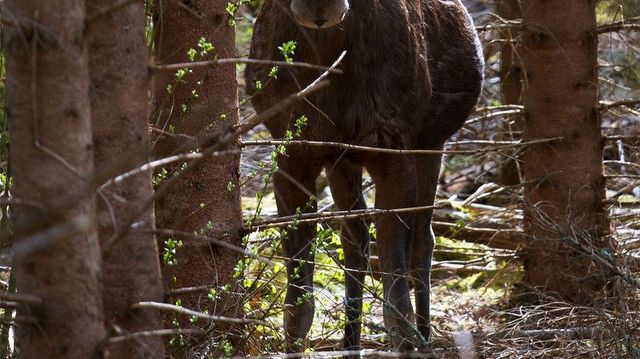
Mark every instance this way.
x=412 y=73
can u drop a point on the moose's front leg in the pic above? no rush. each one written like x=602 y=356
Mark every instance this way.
x=345 y=180
x=294 y=188
x=395 y=179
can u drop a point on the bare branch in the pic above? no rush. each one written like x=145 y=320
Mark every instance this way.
x=193 y=313
x=629 y=102
x=214 y=241
x=32 y=300
x=625 y=25
x=44 y=238
x=501 y=25
x=9 y=305
x=492 y=115
x=187 y=290
x=346 y=146
x=153 y=333
x=337 y=215
x=620 y=138
x=241 y=60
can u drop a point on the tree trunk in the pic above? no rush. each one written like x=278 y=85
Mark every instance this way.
x=119 y=100
x=565 y=218
x=510 y=73
x=57 y=255
x=203 y=103
x=510 y=67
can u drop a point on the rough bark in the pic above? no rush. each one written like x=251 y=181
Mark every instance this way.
x=566 y=219
x=119 y=85
x=52 y=162
x=206 y=199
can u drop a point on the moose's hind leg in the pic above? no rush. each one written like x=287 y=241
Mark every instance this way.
x=345 y=181
x=428 y=169
x=395 y=180
x=294 y=188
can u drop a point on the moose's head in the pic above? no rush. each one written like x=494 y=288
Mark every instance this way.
x=318 y=14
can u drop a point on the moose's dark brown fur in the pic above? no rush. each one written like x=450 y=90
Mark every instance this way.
x=412 y=73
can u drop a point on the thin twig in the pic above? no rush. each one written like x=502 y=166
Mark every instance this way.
x=337 y=215
x=44 y=238
x=258 y=118
x=9 y=305
x=620 y=138
x=346 y=146
x=491 y=115
x=497 y=108
x=12 y=201
x=627 y=24
x=30 y=299
x=214 y=241
x=193 y=313
x=151 y=166
x=187 y=290
x=503 y=24
x=628 y=102
x=622 y=176
x=241 y=60
x=153 y=333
